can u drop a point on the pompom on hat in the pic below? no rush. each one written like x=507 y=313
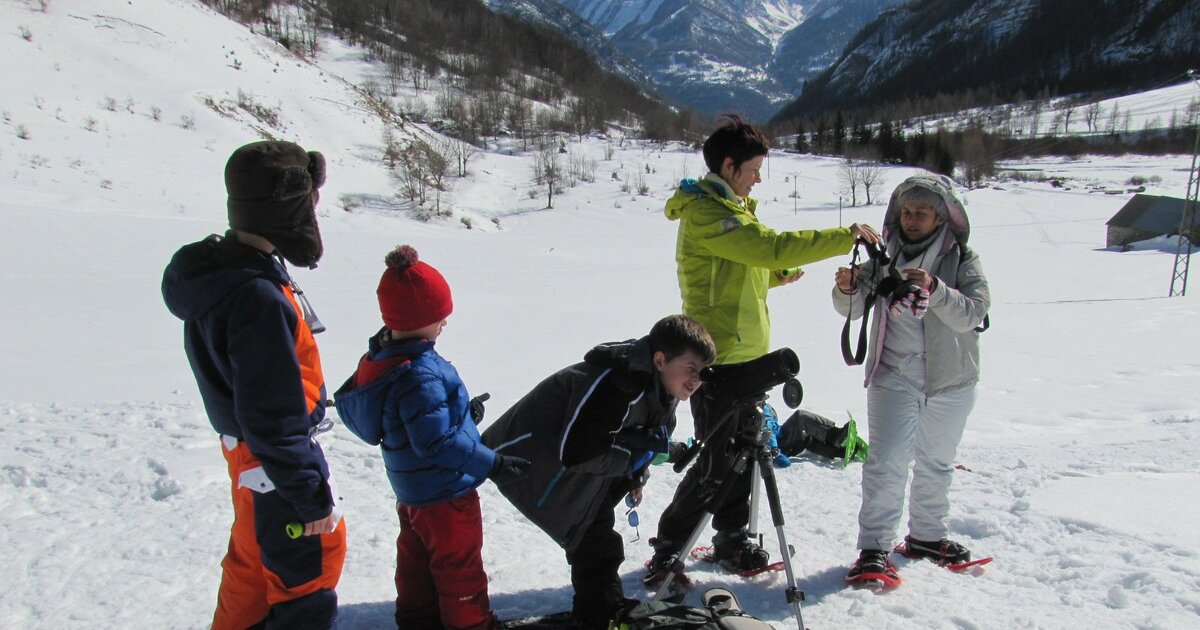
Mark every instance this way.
x=412 y=294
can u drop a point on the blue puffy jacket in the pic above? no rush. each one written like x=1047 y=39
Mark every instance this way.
x=411 y=402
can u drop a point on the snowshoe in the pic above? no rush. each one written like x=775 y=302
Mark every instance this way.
x=658 y=568
x=734 y=551
x=705 y=554
x=873 y=570
x=945 y=553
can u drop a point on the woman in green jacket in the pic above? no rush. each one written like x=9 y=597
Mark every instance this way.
x=727 y=260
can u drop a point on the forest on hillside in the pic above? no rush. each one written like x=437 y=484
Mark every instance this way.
x=496 y=75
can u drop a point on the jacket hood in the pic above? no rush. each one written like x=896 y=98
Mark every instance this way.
x=632 y=356
x=362 y=399
x=691 y=190
x=201 y=274
x=958 y=223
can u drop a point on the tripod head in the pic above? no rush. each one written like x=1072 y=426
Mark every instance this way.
x=741 y=390
x=750 y=379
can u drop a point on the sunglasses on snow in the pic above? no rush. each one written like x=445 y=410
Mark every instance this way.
x=632 y=516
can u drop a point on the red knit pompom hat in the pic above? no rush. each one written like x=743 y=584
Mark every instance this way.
x=412 y=294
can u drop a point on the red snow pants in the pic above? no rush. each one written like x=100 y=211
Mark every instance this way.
x=440 y=580
x=268 y=578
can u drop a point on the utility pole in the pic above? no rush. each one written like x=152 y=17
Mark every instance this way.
x=1187 y=218
x=795 y=195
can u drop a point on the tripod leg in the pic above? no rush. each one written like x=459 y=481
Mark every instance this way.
x=793 y=593
x=710 y=508
x=677 y=567
x=752 y=526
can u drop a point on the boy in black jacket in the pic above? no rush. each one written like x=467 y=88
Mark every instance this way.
x=591 y=431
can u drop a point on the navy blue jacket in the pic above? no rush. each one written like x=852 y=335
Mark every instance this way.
x=411 y=402
x=255 y=362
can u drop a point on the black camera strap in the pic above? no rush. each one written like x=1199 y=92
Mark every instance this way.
x=856 y=357
x=884 y=287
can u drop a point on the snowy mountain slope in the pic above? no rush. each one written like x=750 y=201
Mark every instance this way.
x=816 y=42
x=707 y=54
x=554 y=14
x=112 y=478
x=921 y=49
x=748 y=56
x=770 y=18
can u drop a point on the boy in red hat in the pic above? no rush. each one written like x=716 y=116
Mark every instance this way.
x=411 y=402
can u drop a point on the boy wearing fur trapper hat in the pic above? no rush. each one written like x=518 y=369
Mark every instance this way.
x=248 y=333
x=411 y=402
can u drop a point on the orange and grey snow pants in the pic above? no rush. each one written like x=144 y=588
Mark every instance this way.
x=268 y=579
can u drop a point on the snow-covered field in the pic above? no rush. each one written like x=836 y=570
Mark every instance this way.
x=1078 y=466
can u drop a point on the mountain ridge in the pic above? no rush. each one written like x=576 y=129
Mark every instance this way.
x=1002 y=48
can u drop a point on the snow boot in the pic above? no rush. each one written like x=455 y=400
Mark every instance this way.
x=658 y=567
x=873 y=566
x=735 y=551
x=944 y=551
x=806 y=430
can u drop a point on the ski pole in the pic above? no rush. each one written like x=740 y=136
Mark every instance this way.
x=294 y=530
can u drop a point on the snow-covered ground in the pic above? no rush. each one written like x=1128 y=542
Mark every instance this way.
x=1078 y=469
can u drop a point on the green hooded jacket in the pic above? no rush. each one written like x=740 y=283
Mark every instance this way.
x=727 y=260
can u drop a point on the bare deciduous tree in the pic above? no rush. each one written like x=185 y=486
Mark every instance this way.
x=1091 y=116
x=391 y=149
x=1035 y=118
x=871 y=177
x=548 y=170
x=1114 y=116
x=850 y=176
x=520 y=118
x=462 y=152
x=422 y=167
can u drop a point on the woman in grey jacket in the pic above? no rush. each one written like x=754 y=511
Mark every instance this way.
x=922 y=367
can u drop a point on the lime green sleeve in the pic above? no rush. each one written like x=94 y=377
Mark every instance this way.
x=753 y=244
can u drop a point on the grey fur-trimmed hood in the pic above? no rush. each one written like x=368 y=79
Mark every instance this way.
x=958 y=223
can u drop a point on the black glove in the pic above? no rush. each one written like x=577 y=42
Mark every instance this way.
x=676 y=451
x=476 y=405
x=508 y=469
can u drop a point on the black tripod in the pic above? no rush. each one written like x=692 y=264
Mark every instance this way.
x=750 y=437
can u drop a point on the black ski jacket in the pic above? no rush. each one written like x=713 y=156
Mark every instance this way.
x=585 y=428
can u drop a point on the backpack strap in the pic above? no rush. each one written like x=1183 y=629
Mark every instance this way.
x=964 y=251
x=664 y=616
x=742 y=621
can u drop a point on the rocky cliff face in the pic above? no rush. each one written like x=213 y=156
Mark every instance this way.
x=811 y=46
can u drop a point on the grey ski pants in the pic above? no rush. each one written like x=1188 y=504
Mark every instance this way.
x=909 y=428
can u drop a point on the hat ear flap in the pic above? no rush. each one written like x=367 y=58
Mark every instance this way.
x=316 y=168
